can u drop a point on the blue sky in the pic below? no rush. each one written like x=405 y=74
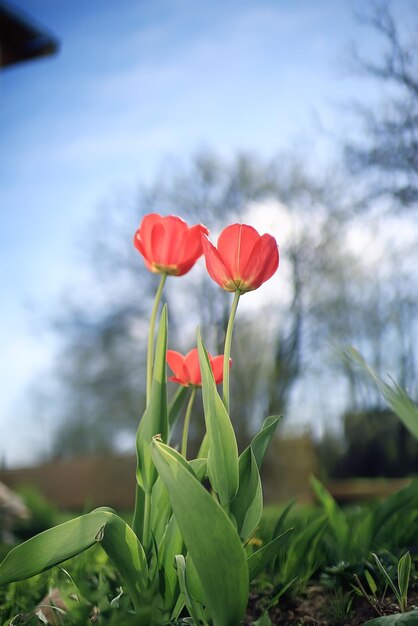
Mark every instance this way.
x=135 y=81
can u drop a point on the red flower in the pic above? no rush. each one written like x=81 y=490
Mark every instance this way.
x=168 y=244
x=186 y=369
x=243 y=259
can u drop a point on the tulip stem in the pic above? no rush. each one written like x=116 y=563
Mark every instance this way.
x=147 y=519
x=227 y=349
x=187 y=423
x=151 y=336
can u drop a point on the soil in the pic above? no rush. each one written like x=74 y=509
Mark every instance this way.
x=320 y=607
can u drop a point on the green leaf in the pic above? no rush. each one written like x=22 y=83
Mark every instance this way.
x=404 y=571
x=195 y=611
x=155 y=420
x=247 y=506
x=264 y=620
x=199 y=467
x=400 y=619
x=204 y=448
x=280 y=592
x=282 y=517
x=223 y=451
x=397 y=398
x=62 y=542
x=405 y=498
x=193 y=582
x=300 y=555
x=176 y=405
x=210 y=538
x=371 y=582
x=259 y=560
x=336 y=517
x=172 y=544
x=386 y=576
x=262 y=440
x=160 y=510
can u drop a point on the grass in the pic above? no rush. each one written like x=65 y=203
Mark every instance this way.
x=330 y=549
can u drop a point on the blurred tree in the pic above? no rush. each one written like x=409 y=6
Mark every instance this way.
x=388 y=148
x=100 y=368
x=383 y=304
x=325 y=297
x=376 y=444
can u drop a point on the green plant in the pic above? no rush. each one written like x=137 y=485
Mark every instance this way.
x=396 y=397
x=188 y=549
x=375 y=593
x=400 y=619
x=339 y=606
x=42 y=514
x=355 y=533
x=404 y=572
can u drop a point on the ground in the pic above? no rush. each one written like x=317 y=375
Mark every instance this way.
x=319 y=607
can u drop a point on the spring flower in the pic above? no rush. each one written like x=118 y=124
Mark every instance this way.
x=168 y=244
x=243 y=260
x=186 y=369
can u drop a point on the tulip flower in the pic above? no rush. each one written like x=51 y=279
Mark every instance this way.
x=168 y=244
x=186 y=369
x=243 y=260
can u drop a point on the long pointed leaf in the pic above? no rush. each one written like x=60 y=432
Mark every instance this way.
x=282 y=517
x=260 y=559
x=262 y=440
x=210 y=538
x=223 y=451
x=301 y=552
x=55 y=545
x=247 y=506
x=204 y=448
x=385 y=575
x=176 y=405
x=395 y=503
x=399 y=619
x=194 y=610
x=404 y=572
x=396 y=397
x=336 y=517
x=160 y=510
x=155 y=420
x=171 y=546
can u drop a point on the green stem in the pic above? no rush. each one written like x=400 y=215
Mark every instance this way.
x=227 y=348
x=151 y=336
x=187 y=423
x=142 y=512
x=137 y=520
x=147 y=520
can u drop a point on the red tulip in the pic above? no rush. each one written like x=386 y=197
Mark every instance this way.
x=168 y=244
x=186 y=369
x=243 y=259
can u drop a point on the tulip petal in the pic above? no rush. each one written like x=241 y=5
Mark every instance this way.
x=262 y=264
x=217 y=365
x=235 y=246
x=216 y=267
x=176 y=361
x=138 y=243
x=144 y=234
x=191 y=248
x=191 y=362
x=180 y=381
x=166 y=239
